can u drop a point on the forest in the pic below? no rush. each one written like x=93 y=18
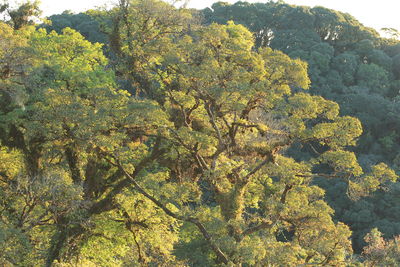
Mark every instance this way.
x=152 y=134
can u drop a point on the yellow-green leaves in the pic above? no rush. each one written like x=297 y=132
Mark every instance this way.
x=218 y=145
x=305 y=106
x=342 y=162
x=11 y=162
x=12 y=50
x=14 y=63
x=68 y=61
x=340 y=133
x=380 y=175
x=284 y=71
x=384 y=173
x=288 y=171
x=234 y=113
x=68 y=49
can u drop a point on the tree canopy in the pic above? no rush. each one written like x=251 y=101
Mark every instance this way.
x=182 y=143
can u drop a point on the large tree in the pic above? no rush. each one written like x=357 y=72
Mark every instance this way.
x=347 y=63
x=235 y=113
x=200 y=167
x=61 y=113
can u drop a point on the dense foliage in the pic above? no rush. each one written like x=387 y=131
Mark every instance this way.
x=149 y=135
x=353 y=66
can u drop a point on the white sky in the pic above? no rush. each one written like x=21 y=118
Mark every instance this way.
x=372 y=13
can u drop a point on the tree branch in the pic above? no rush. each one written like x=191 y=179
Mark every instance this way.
x=106 y=203
x=221 y=256
x=258 y=167
x=261 y=226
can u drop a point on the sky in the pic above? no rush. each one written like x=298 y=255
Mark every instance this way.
x=372 y=13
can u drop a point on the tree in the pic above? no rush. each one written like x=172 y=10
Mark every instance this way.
x=84 y=23
x=233 y=112
x=68 y=116
x=373 y=77
x=140 y=35
x=22 y=15
x=381 y=252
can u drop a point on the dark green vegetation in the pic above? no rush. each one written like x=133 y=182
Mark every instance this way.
x=187 y=139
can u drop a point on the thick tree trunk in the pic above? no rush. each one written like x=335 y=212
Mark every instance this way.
x=59 y=240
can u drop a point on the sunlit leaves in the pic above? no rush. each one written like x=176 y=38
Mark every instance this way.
x=380 y=175
x=340 y=133
x=11 y=163
x=215 y=153
x=344 y=162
